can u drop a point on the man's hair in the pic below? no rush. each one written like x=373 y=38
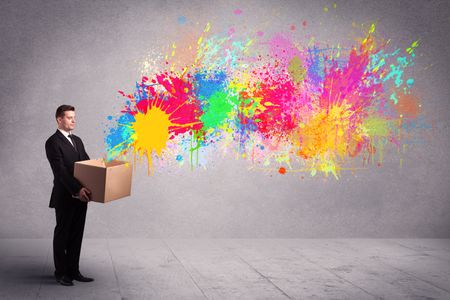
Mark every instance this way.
x=63 y=108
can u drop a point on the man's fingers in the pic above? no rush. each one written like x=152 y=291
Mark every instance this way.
x=84 y=195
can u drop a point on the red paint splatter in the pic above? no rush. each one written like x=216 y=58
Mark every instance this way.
x=278 y=117
x=282 y=170
x=177 y=100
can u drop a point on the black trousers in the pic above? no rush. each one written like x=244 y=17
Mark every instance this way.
x=68 y=235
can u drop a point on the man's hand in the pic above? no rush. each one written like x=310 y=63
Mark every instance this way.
x=84 y=194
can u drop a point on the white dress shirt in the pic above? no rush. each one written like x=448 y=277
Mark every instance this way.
x=66 y=134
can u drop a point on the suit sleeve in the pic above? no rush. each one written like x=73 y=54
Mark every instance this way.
x=59 y=169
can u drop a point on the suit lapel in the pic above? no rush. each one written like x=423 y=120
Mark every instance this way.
x=65 y=140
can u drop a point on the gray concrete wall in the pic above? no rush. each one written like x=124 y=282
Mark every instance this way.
x=82 y=52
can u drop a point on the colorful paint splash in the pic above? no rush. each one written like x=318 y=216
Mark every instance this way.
x=279 y=103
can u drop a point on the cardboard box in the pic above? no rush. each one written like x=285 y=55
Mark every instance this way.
x=107 y=181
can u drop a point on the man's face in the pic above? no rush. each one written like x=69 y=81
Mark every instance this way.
x=67 y=123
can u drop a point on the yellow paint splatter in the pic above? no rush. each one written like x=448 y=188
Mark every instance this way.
x=414 y=45
x=327 y=138
x=151 y=133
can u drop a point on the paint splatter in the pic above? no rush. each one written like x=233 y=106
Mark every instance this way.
x=181 y=20
x=237 y=11
x=273 y=101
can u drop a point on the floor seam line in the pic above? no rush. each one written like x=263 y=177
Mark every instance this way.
x=338 y=276
x=185 y=269
x=397 y=269
x=114 y=269
x=420 y=252
x=263 y=276
x=412 y=275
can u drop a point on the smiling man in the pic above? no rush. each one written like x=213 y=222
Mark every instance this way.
x=69 y=197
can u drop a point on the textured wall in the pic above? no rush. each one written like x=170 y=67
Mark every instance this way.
x=82 y=52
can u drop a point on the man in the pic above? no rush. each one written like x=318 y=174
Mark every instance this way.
x=69 y=197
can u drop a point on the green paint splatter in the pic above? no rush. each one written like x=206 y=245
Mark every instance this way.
x=296 y=70
x=195 y=146
x=375 y=126
x=394 y=98
x=220 y=104
x=414 y=45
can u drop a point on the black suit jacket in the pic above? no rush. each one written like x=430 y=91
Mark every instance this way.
x=62 y=157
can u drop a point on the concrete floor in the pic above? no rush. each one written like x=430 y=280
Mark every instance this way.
x=234 y=269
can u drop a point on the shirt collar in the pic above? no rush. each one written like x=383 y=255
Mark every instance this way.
x=65 y=133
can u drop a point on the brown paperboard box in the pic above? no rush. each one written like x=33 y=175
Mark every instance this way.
x=107 y=180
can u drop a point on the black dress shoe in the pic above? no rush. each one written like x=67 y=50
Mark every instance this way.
x=64 y=280
x=81 y=278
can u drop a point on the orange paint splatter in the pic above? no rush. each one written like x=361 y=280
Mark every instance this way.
x=408 y=106
x=282 y=170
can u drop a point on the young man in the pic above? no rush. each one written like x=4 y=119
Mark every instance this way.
x=69 y=197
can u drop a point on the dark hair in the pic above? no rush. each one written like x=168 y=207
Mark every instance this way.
x=60 y=110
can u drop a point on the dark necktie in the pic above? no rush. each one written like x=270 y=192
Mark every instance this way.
x=73 y=142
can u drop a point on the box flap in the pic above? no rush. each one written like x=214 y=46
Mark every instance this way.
x=93 y=162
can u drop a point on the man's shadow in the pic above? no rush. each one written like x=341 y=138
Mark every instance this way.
x=25 y=275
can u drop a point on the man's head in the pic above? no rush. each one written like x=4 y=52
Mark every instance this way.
x=65 y=117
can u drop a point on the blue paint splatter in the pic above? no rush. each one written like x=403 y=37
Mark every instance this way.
x=210 y=83
x=181 y=20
